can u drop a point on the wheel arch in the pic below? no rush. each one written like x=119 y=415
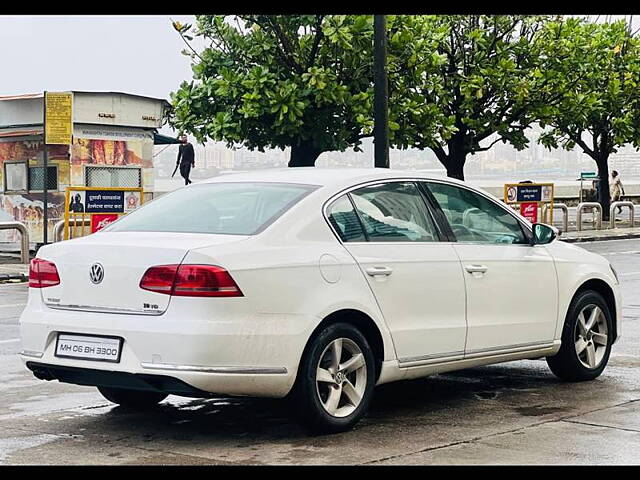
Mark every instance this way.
x=360 y=320
x=604 y=289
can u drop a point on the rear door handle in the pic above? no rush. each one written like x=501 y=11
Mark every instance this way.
x=373 y=271
x=475 y=268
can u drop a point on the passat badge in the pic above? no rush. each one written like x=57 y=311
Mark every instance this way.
x=96 y=273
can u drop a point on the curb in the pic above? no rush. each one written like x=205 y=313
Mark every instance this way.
x=13 y=277
x=600 y=238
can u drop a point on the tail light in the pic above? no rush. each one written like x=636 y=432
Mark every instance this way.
x=43 y=273
x=190 y=281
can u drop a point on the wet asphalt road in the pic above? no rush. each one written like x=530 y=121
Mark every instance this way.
x=503 y=414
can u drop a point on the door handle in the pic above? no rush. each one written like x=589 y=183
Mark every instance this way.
x=373 y=271
x=475 y=268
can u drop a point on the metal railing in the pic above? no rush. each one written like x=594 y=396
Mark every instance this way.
x=612 y=216
x=559 y=206
x=596 y=208
x=58 y=229
x=24 y=238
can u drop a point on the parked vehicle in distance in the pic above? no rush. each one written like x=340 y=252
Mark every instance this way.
x=317 y=284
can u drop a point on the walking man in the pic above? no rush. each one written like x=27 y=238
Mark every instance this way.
x=617 y=190
x=186 y=159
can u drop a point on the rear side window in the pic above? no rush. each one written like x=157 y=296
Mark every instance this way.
x=345 y=221
x=217 y=208
x=394 y=212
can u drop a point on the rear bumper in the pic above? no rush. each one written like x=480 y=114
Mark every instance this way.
x=114 y=379
x=249 y=356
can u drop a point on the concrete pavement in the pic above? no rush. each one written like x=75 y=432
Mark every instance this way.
x=510 y=413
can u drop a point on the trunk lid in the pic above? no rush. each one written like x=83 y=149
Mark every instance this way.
x=123 y=257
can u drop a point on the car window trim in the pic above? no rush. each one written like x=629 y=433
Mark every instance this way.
x=437 y=214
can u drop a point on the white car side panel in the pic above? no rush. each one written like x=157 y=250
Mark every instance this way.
x=575 y=266
x=423 y=299
x=515 y=302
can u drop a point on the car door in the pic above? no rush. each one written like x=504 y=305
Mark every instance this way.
x=417 y=279
x=512 y=292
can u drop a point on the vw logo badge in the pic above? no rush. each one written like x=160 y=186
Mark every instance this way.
x=96 y=273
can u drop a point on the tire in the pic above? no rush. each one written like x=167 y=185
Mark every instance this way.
x=133 y=399
x=315 y=399
x=568 y=364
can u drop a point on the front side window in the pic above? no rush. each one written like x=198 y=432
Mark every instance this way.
x=343 y=217
x=474 y=218
x=394 y=212
x=218 y=208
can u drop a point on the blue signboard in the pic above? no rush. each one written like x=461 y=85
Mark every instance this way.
x=104 y=201
x=529 y=193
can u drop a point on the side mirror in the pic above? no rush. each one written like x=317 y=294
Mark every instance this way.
x=543 y=234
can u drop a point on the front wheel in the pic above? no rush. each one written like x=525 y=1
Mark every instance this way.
x=134 y=399
x=586 y=339
x=336 y=379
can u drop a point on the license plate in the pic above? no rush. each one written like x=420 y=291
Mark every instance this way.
x=89 y=347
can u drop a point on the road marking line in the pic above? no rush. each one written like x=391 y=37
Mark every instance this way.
x=11 y=340
x=13 y=305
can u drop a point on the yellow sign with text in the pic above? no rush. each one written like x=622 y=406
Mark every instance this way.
x=58 y=118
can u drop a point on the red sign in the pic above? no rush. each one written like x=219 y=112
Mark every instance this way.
x=529 y=211
x=101 y=220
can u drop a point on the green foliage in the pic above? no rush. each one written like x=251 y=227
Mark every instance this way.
x=464 y=78
x=278 y=81
x=597 y=67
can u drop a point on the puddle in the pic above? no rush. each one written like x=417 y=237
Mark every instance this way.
x=15 y=444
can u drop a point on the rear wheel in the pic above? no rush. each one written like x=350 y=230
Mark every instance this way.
x=336 y=379
x=135 y=399
x=586 y=339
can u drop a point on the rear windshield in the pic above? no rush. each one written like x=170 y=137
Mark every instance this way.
x=223 y=208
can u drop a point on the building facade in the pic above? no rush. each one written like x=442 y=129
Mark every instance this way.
x=112 y=146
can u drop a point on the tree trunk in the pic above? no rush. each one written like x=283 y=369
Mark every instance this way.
x=303 y=154
x=604 y=196
x=455 y=157
x=455 y=163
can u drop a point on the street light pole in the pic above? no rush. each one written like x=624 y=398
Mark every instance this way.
x=380 y=93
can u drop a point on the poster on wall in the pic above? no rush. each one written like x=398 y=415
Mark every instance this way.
x=106 y=152
x=27 y=207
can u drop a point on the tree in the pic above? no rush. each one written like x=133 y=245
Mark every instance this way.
x=471 y=77
x=599 y=111
x=277 y=81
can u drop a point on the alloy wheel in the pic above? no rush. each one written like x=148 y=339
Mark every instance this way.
x=341 y=377
x=591 y=336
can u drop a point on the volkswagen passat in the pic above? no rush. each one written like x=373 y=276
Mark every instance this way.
x=314 y=283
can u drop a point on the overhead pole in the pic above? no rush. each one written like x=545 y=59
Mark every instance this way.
x=380 y=93
x=45 y=175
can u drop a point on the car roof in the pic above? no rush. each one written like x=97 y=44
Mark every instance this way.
x=323 y=176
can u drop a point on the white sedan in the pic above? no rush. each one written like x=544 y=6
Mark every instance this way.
x=315 y=284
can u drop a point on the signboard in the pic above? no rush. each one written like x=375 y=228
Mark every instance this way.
x=58 y=118
x=529 y=196
x=101 y=220
x=529 y=211
x=528 y=192
x=90 y=209
x=588 y=175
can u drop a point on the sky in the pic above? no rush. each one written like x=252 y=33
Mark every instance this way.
x=133 y=54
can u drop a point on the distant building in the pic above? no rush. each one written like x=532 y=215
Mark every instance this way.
x=112 y=146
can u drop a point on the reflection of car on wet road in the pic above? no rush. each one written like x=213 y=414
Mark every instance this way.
x=314 y=283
